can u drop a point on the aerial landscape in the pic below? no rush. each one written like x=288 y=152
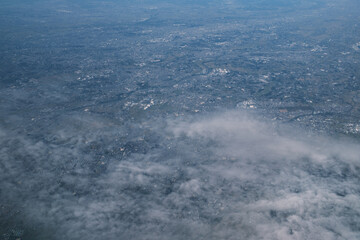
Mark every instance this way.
x=159 y=119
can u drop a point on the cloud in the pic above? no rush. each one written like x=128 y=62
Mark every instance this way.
x=225 y=175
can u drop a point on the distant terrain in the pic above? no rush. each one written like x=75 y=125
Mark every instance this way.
x=159 y=119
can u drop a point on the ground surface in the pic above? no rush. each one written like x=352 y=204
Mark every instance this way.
x=190 y=120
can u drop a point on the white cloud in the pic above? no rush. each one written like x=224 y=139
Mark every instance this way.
x=227 y=175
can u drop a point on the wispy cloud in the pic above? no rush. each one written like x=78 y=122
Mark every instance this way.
x=226 y=175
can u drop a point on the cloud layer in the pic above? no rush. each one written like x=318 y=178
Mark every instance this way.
x=225 y=175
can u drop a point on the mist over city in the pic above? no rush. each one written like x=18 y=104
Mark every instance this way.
x=159 y=119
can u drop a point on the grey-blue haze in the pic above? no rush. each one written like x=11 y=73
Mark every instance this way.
x=185 y=119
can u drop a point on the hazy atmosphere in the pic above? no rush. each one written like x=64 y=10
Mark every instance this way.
x=159 y=119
